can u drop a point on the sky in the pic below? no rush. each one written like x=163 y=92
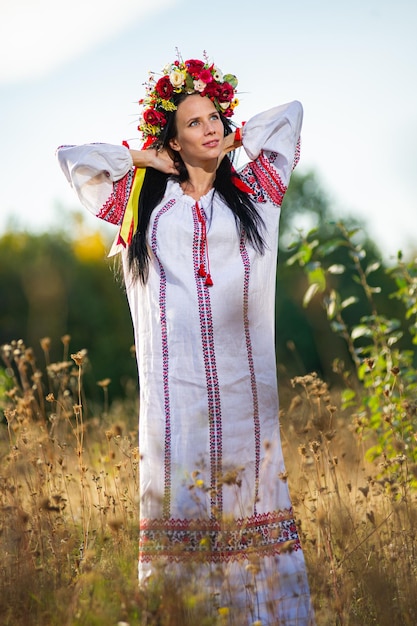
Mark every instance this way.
x=73 y=73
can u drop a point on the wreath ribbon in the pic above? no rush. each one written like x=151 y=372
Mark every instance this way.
x=130 y=218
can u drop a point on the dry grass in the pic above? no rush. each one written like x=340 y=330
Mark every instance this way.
x=69 y=510
x=358 y=524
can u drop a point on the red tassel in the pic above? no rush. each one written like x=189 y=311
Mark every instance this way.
x=203 y=249
x=238 y=182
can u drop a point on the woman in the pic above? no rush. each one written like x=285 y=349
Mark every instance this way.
x=199 y=247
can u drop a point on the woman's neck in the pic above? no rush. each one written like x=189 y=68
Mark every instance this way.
x=199 y=183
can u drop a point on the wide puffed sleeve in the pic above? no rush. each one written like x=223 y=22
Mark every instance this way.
x=101 y=175
x=272 y=140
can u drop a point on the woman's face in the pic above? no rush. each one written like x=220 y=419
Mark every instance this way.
x=200 y=131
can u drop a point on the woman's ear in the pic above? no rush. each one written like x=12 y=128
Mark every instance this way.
x=174 y=145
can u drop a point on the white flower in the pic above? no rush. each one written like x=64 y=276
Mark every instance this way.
x=199 y=85
x=217 y=74
x=224 y=105
x=177 y=78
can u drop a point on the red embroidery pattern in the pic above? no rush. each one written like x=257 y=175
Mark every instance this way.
x=213 y=391
x=114 y=208
x=297 y=153
x=165 y=362
x=264 y=180
x=254 y=389
x=178 y=540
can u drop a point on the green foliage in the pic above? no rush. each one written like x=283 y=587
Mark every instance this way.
x=379 y=346
x=52 y=286
x=305 y=340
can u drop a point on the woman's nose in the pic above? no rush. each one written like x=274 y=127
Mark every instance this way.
x=209 y=129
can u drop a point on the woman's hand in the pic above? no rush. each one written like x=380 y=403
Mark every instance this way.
x=230 y=142
x=158 y=159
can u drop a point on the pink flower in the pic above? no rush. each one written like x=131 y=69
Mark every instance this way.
x=206 y=76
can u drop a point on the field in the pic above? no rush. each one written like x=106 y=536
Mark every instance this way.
x=69 y=507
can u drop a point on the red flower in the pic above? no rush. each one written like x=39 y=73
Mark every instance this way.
x=212 y=90
x=227 y=112
x=226 y=93
x=153 y=117
x=163 y=88
x=194 y=66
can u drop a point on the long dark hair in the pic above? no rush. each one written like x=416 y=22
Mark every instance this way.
x=247 y=217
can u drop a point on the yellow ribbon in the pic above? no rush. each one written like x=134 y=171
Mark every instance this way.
x=130 y=218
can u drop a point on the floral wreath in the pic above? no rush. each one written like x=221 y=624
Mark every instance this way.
x=192 y=76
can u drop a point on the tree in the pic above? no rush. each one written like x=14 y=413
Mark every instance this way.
x=50 y=287
x=305 y=340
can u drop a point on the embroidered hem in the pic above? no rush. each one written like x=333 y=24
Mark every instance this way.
x=265 y=534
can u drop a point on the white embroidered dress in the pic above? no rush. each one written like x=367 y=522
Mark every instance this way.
x=212 y=484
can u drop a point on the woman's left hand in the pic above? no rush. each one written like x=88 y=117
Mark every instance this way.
x=229 y=144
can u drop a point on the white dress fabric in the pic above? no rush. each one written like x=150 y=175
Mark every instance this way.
x=213 y=489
